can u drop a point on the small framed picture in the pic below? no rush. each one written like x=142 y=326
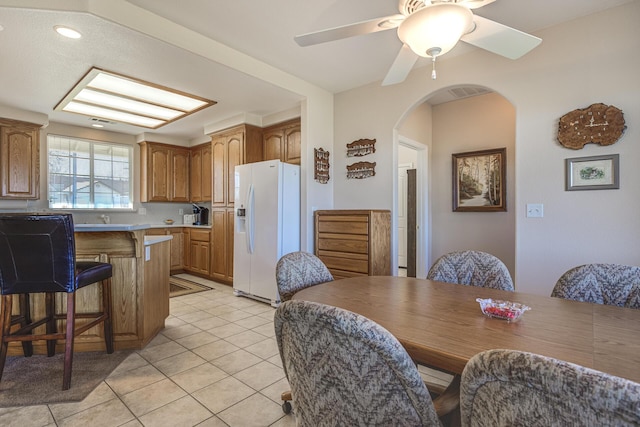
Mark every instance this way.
x=479 y=181
x=592 y=173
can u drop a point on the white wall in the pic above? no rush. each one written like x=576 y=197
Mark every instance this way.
x=417 y=125
x=317 y=130
x=479 y=123
x=589 y=60
x=406 y=156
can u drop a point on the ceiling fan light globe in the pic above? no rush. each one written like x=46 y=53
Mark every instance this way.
x=436 y=26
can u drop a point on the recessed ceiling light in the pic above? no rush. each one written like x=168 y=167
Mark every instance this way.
x=67 y=32
x=117 y=98
x=96 y=125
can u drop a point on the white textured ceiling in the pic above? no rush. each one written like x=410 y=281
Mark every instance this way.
x=38 y=67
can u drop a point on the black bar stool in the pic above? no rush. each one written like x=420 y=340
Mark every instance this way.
x=37 y=255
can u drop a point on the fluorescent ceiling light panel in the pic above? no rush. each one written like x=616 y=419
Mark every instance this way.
x=116 y=116
x=123 y=99
x=144 y=92
x=124 y=104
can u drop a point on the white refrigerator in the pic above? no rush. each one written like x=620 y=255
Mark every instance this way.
x=266 y=226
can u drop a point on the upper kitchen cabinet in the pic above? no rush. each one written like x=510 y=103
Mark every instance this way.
x=232 y=147
x=180 y=175
x=164 y=173
x=282 y=142
x=201 y=173
x=19 y=160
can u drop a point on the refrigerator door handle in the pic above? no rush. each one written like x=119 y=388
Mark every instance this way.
x=249 y=219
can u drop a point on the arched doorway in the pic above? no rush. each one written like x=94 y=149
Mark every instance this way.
x=454 y=120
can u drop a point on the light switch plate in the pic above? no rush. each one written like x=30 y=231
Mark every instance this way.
x=535 y=210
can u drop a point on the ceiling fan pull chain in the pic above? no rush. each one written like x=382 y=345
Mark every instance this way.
x=433 y=52
x=433 y=70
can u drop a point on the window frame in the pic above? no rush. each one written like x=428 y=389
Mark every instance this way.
x=92 y=200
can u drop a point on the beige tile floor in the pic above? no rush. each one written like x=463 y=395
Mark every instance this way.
x=216 y=363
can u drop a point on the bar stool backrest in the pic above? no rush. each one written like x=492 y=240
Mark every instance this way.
x=37 y=254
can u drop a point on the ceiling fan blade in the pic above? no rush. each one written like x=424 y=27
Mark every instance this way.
x=470 y=4
x=351 y=30
x=500 y=39
x=475 y=4
x=401 y=66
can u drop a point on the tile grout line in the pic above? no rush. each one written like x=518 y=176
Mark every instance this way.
x=225 y=305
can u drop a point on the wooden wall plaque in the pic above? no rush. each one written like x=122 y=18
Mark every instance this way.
x=361 y=147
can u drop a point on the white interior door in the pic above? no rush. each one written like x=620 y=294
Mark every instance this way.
x=402 y=213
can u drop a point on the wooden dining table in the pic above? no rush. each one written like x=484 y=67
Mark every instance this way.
x=441 y=324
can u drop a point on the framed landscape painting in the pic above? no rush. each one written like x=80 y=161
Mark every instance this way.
x=479 y=181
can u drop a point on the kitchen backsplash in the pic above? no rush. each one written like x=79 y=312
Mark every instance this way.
x=145 y=213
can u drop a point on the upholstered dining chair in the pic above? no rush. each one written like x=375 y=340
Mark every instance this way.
x=37 y=255
x=610 y=284
x=346 y=370
x=507 y=388
x=473 y=268
x=296 y=271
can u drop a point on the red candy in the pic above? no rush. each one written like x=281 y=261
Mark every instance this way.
x=501 y=312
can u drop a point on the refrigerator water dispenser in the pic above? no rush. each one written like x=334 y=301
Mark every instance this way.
x=241 y=220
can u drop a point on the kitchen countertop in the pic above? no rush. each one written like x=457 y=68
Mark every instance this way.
x=152 y=240
x=110 y=227
x=174 y=225
x=130 y=227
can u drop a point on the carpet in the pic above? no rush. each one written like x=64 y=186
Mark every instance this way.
x=37 y=380
x=179 y=286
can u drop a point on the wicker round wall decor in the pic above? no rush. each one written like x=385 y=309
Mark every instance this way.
x=598 y=124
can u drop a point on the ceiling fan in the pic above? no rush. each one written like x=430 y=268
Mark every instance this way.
x=431 y=28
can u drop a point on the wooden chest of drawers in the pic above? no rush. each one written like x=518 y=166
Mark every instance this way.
x=354 y=242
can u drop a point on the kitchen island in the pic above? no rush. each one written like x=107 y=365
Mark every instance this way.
x=139 y=286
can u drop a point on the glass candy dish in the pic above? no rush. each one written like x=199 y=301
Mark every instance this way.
x=506 y=310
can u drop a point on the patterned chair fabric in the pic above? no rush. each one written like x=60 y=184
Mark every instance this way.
x=346 y=370
x=513 y=388
x=299 y=270
x=610 y=284
x=473 y=268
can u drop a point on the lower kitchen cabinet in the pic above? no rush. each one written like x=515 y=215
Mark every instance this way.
x=177 y=245
x=199 y=251
x=177 y=249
